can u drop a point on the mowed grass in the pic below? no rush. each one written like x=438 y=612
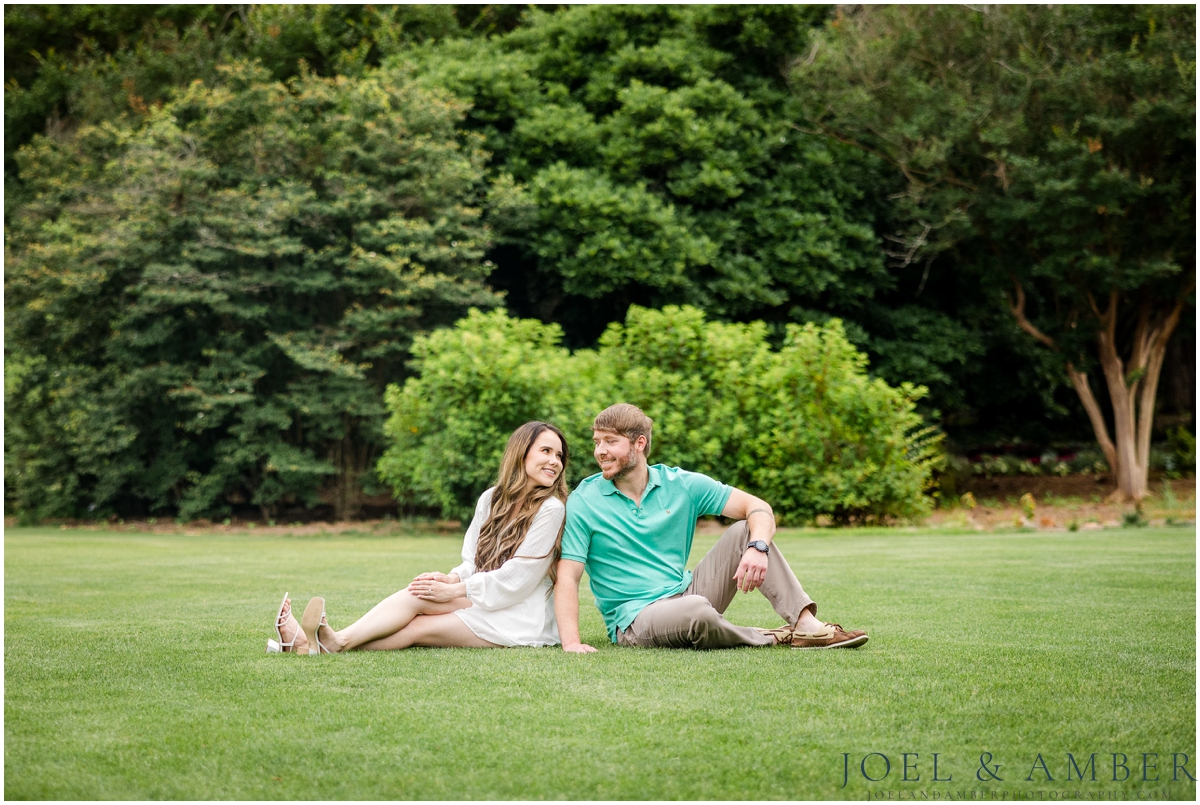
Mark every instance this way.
x=134 y=669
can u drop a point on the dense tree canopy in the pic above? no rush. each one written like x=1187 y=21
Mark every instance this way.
x=1052 y=150
x=68 y=64
x=226 y=224
x=205 y=309
x=658 y=161
x=652 y=148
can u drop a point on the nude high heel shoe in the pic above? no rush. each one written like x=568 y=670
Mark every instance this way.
x=314 y=615
x=281 y=645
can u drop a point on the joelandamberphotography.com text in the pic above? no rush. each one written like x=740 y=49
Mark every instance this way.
x=928 y=775
x=935 y=795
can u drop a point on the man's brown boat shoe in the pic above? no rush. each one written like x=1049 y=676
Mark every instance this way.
x=832 y=636
x=782 y=634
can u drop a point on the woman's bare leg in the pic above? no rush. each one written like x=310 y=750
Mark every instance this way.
x=440 y=631
x=386 y=618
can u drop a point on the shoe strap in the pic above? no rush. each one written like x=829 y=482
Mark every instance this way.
x=281 y=620
x=323 y=622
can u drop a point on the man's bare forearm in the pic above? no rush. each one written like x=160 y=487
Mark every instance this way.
x=566 y=609
x=759 y=517
x=760 y=521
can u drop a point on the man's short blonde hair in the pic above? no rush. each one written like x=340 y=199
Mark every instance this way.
x=626 y=420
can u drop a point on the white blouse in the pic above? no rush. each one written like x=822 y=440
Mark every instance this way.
x=513 y=605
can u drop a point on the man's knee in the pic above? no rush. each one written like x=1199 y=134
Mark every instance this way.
x=681 y=622
x=739 y=530
x=695 y=605
x=701 y=616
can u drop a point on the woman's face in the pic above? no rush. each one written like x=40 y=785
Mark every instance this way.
x=543 y=462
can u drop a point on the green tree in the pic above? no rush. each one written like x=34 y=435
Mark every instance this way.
x=1048 y=150
x=648 y=157
x=207 y=306
x=72 y=65
x=650 y=146
x=66 y=65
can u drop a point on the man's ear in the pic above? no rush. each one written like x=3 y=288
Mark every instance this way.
x=640 y=444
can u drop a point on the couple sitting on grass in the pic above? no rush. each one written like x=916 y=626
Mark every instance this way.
x=630 y=527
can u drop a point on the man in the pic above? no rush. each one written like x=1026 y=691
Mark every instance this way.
x=631 y=528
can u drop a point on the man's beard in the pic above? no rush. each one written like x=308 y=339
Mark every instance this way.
x=625 y=466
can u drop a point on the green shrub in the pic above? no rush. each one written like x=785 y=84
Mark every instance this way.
x=1180 y=455
x=1086 y=461
x=1135 y=519
x=475 y=384
x=804 y=427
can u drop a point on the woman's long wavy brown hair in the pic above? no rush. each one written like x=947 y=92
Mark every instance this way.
x=514 y=506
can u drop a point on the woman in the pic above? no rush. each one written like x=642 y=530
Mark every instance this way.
x=501 y=593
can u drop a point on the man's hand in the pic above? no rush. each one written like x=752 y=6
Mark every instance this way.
x=578 y=648
x=760 y=525
x=751 y=570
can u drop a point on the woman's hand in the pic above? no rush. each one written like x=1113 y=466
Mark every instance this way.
x=437 y=591
x=442 y=577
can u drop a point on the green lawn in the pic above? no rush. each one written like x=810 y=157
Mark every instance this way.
x=134 y=669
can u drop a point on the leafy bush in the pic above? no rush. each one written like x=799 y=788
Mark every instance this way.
x=1172 y=458
x=475 y=384
x=1087 y=461
x=1180 y=455
x=803 y=426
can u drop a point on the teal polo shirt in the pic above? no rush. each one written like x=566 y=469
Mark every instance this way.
x=635 y=556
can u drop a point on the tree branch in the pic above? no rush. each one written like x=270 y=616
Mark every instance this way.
x=812 y=56
x=1010 y=69
x=1108 y=319
x=1143 y=335
x=824 y=132
x=1018 y=311
x=1080 y=381
x=907 y=257
x=1156 y=351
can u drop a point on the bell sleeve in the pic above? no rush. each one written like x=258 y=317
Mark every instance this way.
x=516 y=579
x=471 y=540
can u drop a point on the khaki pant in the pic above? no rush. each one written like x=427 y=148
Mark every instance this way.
x=693 y=619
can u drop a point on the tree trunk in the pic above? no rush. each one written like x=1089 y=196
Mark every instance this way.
x=1132 y=391
x=1080 y=381
x=352 y=461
